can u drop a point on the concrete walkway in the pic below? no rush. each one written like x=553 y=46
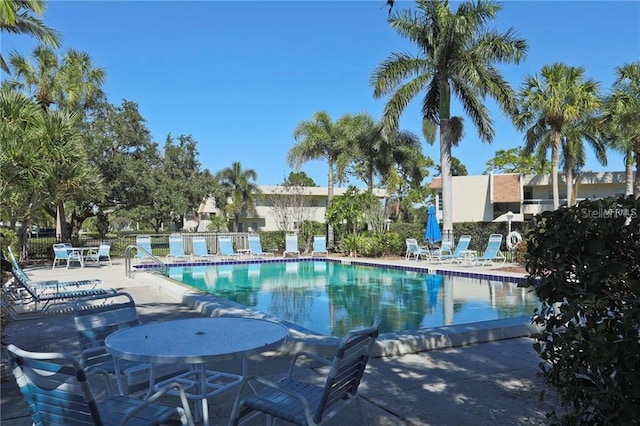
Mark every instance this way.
x=494 y=383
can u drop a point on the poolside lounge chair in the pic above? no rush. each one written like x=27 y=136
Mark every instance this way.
x=176 y=249
x=226 y=248
x=23 y=298
x=97 y=256
x=491 y=253
x=200 y=250
x=305 y=403
x=144 y=251
x=414 y=250
x=64 y=252
x=291 y=245
x=320 y=245
x=255 y=246
x=98 y=316
x=459 y=253
x=57 y=391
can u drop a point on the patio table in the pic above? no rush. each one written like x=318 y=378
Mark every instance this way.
x=196 y=342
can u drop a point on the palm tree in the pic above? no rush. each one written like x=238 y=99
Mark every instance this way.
x=321 y=138
x=71 y=85
x=552 y=103
x=239 y=185
x=457 y=53
x=621 y=123
x=21 y=17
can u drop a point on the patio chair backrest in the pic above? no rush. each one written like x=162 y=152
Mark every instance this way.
x=176 y=245
x=144 y=242
x=104 y=250
x=347 y=368
x=255 y=245
x=61 y=251
x=320 y=243
x=199 y=246
x=412 y=245
x=493 y=246
x=291 y=243
x=463 y=245
x=226 y=246
x=55 y=388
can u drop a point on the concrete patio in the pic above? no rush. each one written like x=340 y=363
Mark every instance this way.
x=493 y=383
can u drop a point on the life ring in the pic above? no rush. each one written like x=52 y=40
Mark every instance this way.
x=513 y=239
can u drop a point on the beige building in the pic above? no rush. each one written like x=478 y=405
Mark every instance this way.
x=488 y=198
x=277 y=208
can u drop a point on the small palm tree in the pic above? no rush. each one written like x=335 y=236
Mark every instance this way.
x=457 y=55
x=553 y=102
x=240 y=187
x=22 y=17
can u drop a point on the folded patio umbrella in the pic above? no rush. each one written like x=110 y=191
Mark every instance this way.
x=432 y=232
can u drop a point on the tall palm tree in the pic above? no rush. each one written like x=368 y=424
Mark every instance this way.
x=22 y=17
x=552 y=102
x=457 y=54
x=621 y=123
x=321 y=138
x=240 y=186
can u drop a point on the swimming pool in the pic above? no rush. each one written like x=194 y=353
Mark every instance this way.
x=332 y=298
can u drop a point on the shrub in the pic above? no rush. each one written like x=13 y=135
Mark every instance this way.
x=583 y=265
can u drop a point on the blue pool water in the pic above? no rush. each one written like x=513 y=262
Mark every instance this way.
x=333 y=298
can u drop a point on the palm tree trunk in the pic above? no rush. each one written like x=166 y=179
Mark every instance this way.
x=330 y=233
x=636 y=188
x=555 y=148
x=569 y=178
x=628 y=173
x=447 y=182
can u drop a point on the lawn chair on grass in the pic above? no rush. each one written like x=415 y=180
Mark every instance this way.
x=57 y=391
x=304 y=403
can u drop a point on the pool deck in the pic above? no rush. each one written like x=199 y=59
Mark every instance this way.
x=480 y=374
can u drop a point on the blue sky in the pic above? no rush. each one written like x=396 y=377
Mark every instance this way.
x=239 y=76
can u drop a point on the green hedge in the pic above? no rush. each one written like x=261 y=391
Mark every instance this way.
x=584 y=265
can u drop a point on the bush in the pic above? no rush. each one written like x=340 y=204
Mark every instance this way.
x=583 y=265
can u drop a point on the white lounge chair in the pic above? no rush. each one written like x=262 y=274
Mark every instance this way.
x=291 y=245
x=414 y=250
x=64 y=252
x=102 y=253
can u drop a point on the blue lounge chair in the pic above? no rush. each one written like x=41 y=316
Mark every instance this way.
x=226 y=248
x=320 y=246
x=492 y=252
x=102 y=253
x=291 y=245
x=200 y=250
x=176 y=249
x=458 y=254
x=255 y=246
x=144 y=251
x=57 y=391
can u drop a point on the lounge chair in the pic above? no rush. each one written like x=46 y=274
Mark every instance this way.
x=291 y=245
x=64 y=252
x=415 y=250
x=98 y=316
x=97 y=256
x=491 y=253
x=200 y=250
x=226 y=248
x=23 y=298
x=255 y=246
x=57 y=391
x=176 y=249
x=320 y=246
x=144 y=251
x=305 y=403
x=458 y=254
